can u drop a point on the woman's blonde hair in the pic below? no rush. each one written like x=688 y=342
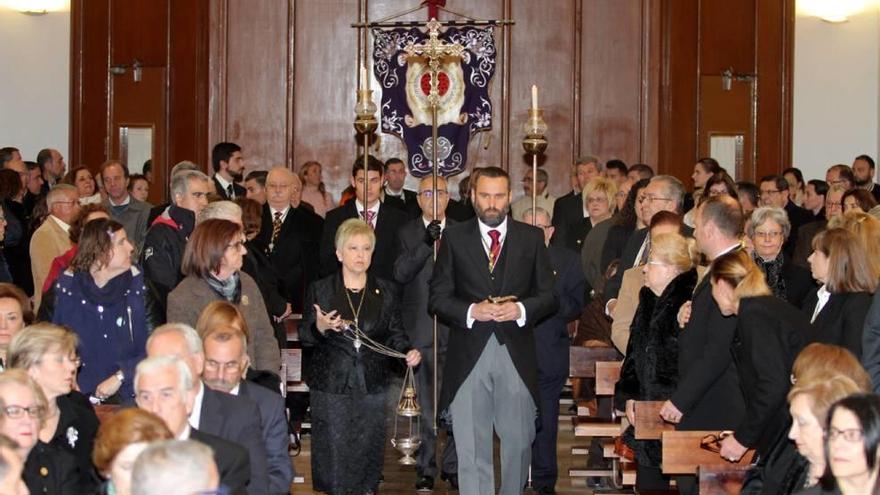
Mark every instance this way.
x=866 y=228
x=20 y=377
x=676 y=250
x=27 y=347
x=351 y=228
x=818 y=362
x=737 y=269
x=848 y=268
x=605 y=186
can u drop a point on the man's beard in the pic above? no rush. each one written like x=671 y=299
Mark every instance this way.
x=863 y=182
x=491 y=216
x=236 y=176
x=218 y=384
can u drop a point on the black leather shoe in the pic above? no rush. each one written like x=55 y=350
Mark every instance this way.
x=452 y=478
x=425 y=483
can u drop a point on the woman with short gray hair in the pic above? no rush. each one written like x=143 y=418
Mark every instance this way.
x=767 y=229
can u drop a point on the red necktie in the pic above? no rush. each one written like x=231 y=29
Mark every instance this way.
x=494 y=248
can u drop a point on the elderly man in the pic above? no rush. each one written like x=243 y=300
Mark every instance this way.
x=175 y=466
x=228 y=165
x=164 y=387
x=166 y=239
x=545 y=199
x=226 y=364
x=123 y=208
x=52 y=164
x=233 y=418
x=51 y=239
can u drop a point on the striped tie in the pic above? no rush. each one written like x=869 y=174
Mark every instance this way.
x=276 y=230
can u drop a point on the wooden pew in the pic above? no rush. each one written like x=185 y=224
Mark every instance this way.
x=649 y=425
x=682 y=453
x=291 y=371
x=291 y=325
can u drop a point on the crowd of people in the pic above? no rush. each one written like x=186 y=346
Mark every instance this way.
x=727 y=303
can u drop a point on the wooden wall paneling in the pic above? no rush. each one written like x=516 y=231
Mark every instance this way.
x=138 y=30
x=727 y=36
x=774 y=61
x=611 y=79
x=217 y=34
x=728 y=112
x=650 y=67
x=89 y=83
x=541 y=53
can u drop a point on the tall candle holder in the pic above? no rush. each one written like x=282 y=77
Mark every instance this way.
x=365 y=124
x=535 y=144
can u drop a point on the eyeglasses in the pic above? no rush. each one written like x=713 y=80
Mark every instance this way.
x=712 y=442
x=18 y=412
x=651 y=198
x=600 y=200
x=430 y=194
x=767 y=235
x=851 y=435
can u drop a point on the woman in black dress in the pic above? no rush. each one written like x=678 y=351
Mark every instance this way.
x=346 y=379
x=769 y=336
x=768 y=229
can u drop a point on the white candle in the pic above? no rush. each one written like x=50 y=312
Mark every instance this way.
x=534 y=97
x=363 y=77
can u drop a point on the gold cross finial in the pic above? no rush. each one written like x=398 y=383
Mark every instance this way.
x=434 y=49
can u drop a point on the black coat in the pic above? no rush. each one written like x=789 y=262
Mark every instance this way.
x=871 y=341
x=408 y=203
x=16 y=245
x=335 y=363
x=385 y=251
x=615 y=242
x=77 y=427
x=460 y=211
x=627 y=261
x=461 y=278
x=239 y=191
x=233 y=463
x=804 y=244
x=568 y=219
x=51 y=470
x=798 y=217
x=708 y=392
x=163 y=251
x=551 y=333
x=769 y=336
x=797 y=281
x=840 y=322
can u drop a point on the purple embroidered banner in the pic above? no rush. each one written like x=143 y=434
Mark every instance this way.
x=465 y=107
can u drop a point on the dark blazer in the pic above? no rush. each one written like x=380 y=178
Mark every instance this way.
x=627 y=260
x=384 y=252
x=568 y=218
x=233 y=462
x=615 y=242
x=77 y=427
x=551 y=333
x=841 y=321
x=335 y=362
x=237 y=419
x=798 y=281
x=240 y=192
x=804 y=244
x=275 y=438
x=295 y=253
x=458 y=210
x=51 y=470
x=871 y=341
x=708 y=391
x=412 y=270
x=408 y=203
x=769 y=336
x=798 y=217
x=461 y=278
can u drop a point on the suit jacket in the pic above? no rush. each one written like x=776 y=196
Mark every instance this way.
x=240 y=192
x=804 y=245
x=48 y=242
x=412 y=270
x=51 y=470
x=571 y=225
x=459 y=210
x=615 y=242
x=871 y=341
x=551 y=333
x=625 y=310
x=295 y=253
x=134 y=219
x=275 y=437
x=407 y=202
x=708 y=392
x=769 y=336
x=461 y=278
x=841 y=321
x=627 y=260
x=384 y=253
x=237 y=419
x=233 y=462
x=798 y=217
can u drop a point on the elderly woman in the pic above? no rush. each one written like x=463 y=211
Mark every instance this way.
x=650 y=370
x=598 y=196
x=101 y=298
x=767 y=230
x=81 y=178
x=47 y=469
x=48 y=354
x=212 y=264
x=769 y=335
x=348 y=382
x=120 y=440
x=837 y=309
x=852 y=437
x=15 y=314
x=832 y=374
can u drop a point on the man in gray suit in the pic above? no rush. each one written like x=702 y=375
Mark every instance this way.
x=123 y=208
x=412 y=270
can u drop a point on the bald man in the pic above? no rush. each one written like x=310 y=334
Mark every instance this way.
x=289 y=235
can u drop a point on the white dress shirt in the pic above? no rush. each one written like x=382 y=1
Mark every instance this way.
x=823 y=296
x=487 y=244
x=196 y=416
x=224 y=184
x=284 y=213
x=374 y=209
x=61 y=223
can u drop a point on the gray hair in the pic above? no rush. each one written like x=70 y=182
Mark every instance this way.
x=151 y=365
x=583 y=160
x=173 y=466
x=673 y=188
x=193 y=341
x=537 y=211
x=224 y=210
x=183 y=165
x=180 y=182
x=58 y=193
x=764 y=213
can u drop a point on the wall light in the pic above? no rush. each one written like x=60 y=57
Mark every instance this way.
x=36 y=7
x=834 y=10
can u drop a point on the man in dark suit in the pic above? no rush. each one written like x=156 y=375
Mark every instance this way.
x=568 y=211
x=164 y=386
x=708 y=396
x=233 y=418
x=491 y=282
x=384 y=220
x=226 y=362
x=461 y=209
x=228 y=164
x=412 y=270
x=395 y=195
x=775 y=192
x=833 y=208
x=551 y=344
x=863 y=171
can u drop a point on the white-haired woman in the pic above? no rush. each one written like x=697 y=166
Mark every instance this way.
x=768 y=228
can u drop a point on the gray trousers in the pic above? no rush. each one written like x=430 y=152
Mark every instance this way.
x=493 y=396
x=427 y=456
